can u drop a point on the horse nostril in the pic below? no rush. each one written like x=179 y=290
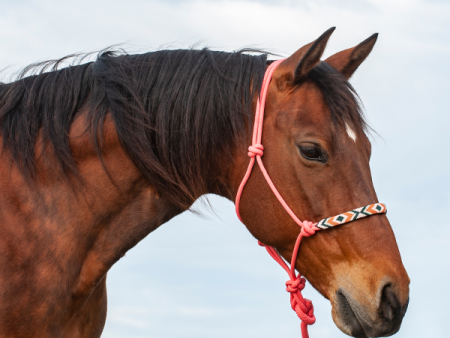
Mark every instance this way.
x=390 y=307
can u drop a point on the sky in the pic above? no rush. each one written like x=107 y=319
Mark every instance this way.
x=206 y=276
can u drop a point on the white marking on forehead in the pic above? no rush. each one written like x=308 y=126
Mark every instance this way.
x=350 y=132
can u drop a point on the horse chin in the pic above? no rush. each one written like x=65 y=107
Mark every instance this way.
x=344 y=317
x=354 y=321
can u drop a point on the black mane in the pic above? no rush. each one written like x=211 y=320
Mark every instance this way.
x=174 y=111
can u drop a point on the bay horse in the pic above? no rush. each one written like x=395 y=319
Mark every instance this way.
x=98 y=155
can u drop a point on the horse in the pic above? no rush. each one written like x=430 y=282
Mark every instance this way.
x=97 y=155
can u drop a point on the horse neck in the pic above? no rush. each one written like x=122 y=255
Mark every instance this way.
x=127 y=206
x=68 y=231
x=104 y=215
x=86 y=224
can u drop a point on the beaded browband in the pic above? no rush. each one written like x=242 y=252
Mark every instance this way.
x=302 y=306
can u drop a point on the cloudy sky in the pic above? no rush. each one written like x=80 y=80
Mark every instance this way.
x=207 y=277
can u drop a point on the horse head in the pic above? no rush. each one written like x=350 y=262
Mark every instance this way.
x=317 y=153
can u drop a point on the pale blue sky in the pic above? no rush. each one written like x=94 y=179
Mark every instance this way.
x=207 y=277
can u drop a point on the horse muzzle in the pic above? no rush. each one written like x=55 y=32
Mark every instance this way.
x=362 y=318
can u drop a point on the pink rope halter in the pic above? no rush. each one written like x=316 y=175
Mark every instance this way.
x=303 y=307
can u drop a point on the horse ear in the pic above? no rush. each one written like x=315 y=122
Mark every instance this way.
x=297 y=66
x=349 y=60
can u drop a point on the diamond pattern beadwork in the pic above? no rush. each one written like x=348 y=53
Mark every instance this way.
x=368 y=210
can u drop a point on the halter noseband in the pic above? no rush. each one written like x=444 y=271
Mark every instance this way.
x=302 y=306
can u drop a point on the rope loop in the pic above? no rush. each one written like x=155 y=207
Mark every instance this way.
x=304 y=311
x=255 y=150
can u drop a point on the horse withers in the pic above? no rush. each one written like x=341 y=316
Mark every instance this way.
x=98 y=155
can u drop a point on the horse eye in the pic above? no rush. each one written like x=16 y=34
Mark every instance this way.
x=312 y=152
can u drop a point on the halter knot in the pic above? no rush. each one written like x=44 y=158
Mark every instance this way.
x=293 y=286
x=308 y=228
x=303 y=307
x=255 y=150
x=304 y=311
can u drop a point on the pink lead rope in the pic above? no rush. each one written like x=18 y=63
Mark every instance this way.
x=303 y=307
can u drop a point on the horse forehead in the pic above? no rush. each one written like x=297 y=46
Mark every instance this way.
x=304 y=107
x=304 y=101
x=301 y=106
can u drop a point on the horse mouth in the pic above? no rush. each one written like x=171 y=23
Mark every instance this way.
x=348 y=316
